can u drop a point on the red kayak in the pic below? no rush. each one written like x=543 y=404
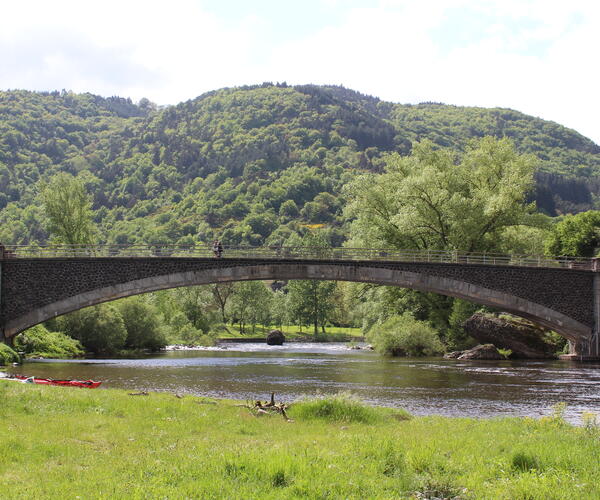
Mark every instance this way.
x=90 y=384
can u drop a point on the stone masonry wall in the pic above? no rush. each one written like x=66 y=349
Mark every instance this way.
x=31 y=283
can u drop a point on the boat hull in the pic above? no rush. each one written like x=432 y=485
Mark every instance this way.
x=89 y=384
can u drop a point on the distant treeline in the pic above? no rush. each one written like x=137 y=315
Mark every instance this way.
x=563 y=194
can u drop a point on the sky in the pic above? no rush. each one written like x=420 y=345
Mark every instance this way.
x=536 y=56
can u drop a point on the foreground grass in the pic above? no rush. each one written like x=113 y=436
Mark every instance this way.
x=68 y=443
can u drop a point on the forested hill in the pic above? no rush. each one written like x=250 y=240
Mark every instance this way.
x=250 y=164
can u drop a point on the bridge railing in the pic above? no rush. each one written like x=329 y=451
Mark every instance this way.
x=295 y=252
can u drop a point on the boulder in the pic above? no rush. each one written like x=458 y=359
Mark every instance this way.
x=486 y=351
x=275 y=337
x=523 y=338
x=453 y=354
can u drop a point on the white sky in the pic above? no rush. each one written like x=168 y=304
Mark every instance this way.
x=536 y=56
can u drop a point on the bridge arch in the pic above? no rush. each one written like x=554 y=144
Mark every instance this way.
x=572 y=329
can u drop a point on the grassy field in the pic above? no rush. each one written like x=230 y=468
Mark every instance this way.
x=78 y=443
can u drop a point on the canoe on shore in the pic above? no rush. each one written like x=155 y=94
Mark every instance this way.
x=90 y=384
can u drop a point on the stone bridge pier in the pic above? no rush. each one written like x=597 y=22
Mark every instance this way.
x=565 y=299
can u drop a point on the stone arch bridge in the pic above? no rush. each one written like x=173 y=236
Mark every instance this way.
x=37 y=284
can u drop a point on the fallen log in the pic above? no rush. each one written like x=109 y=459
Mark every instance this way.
x=268 y=407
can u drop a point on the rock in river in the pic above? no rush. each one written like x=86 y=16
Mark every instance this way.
x=486 y=351
x=523 y=338
x=275 y=337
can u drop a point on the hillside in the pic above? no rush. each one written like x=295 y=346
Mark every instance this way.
x=249 y=164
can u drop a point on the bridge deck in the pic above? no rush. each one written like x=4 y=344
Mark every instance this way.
x=301 y=253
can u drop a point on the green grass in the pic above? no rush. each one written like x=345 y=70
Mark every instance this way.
x=344 y=408
x=68 y=443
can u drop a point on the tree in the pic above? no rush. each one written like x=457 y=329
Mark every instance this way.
x=222 y=292
x=100 y=329
x=196 y=303
x=279 y=309
x=428 y=200
x=250 y=303
x=311 y=301
x=68 y=210
x=142 y=324
x=575 y=235
x=434 y=199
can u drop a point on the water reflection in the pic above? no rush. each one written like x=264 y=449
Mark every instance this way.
x=422 y=386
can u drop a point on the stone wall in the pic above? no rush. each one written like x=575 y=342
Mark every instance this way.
x=32 y=284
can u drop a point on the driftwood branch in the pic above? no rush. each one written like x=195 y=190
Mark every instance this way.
x=260 y=408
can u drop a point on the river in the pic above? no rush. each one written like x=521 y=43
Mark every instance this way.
x=423 y=386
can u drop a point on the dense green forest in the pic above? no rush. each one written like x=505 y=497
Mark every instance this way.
x=261 y=165
x=249 y=164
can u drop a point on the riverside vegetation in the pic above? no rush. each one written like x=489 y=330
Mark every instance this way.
x=107 y=444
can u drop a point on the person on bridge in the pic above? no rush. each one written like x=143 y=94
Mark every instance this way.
x=217 y=248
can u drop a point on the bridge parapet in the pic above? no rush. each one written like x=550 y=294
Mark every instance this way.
x=302 y=253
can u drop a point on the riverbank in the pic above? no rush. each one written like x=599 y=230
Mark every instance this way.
x=64 y=443
x=292 y=334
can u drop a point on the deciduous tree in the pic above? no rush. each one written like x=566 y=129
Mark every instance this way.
x=310 y=302
x=68 y=210
x=575 y=235
x=434 y=200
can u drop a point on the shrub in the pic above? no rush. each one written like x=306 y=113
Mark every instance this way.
x=8 y=355
x=99 y=328
x=339 y=408
x=39 y=342
x=405 y=336
x=524 y=462
x=183 y=332
x=142 y=324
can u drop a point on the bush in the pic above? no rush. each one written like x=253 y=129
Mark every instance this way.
x=339 y=408
x=99 y=328
x=39 y=342
x=405 y=336
x=142 y=324
x=8 y=356
x=183 y=332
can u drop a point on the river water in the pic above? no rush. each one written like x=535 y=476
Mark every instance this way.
x=423 y=386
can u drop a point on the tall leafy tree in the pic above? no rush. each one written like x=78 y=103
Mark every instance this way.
x=311 y=302
x=222 y=292
x=434 y=200
x=437 y=199
x=250 y=303
x=68 y=210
